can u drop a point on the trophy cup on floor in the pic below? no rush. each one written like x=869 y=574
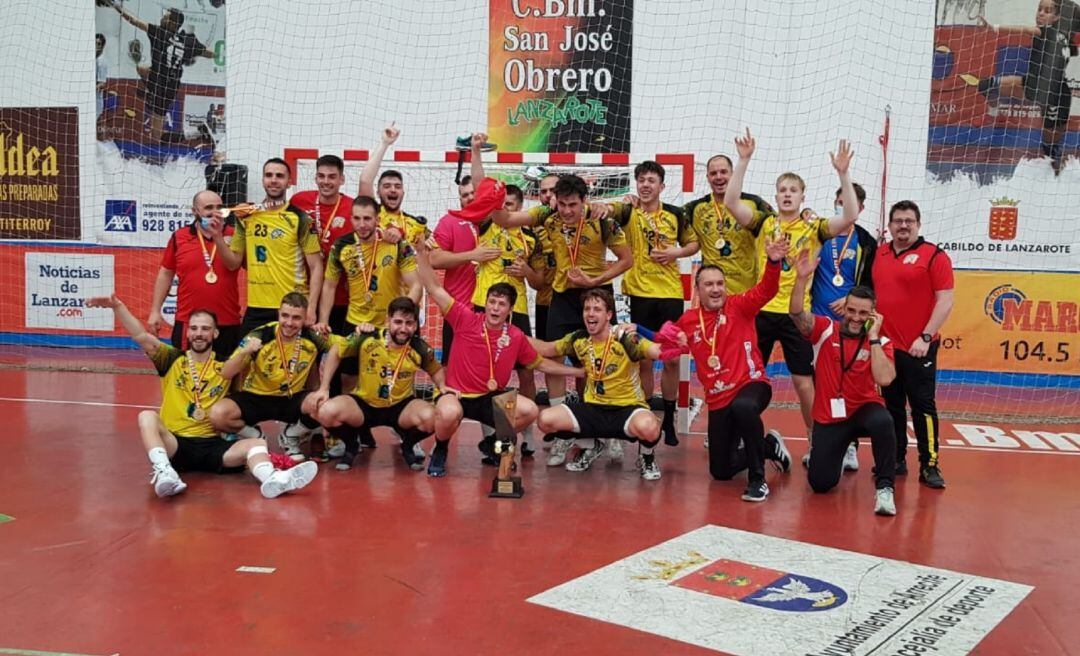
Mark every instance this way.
x=505 y=485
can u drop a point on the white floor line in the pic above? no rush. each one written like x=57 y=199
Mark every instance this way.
x=98 y=404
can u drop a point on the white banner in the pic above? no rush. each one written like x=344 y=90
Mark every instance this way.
x=57 y=284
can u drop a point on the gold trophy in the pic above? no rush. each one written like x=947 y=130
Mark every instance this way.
x=504 y=485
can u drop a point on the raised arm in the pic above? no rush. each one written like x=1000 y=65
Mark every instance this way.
x=476 y=165
x=841 y=161
x=427 y=278
x=804 y=273
x=131 y=18
x=371 y=168
x=412 y=281
x=745 y=145
x=1032 y=30
x=161 y=289
x=216 y=231
x=133 y=326
x=881 y=367
x=239 y=360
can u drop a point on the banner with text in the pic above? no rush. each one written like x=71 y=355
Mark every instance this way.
x=39 y=173
x=58 y=286
x=559 y=75
x=1013 y=323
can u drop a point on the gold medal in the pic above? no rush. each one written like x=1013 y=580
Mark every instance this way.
x=492 y=385
x=720 y=243
x=199 y=414
x=838 y=280
x=368 y=296
x=714 y=362
x=503 y=341
x=211 y=277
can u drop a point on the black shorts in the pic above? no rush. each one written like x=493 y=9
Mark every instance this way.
x=798 y=352
x=389 y=416
x=480 y=408
x=202 y=454
x=564 y=316
x=541 y=322
x=348 y=366
x=161 y=93
x=447 y=340
x=255 y=317
x=338 y=316
x=603 y=421
x=260 y=407
x=1055 y=99
x=653 y=312
x=227 y=340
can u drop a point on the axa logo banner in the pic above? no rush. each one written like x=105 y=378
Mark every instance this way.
x=753 y=595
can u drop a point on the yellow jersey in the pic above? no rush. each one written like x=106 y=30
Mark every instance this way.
x=179 y=391
x=414 y=227
x=373 y=272
x=611 y=367
x=724 y=242
x=274 y=243
x=515 y=243
x=645 y=231
x=282 y=368
x=803 y=234
x=386 y=369
x=543 y=295
x=582 y=244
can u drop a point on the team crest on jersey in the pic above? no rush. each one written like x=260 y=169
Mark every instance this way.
x=911 y=258
x=337 y=222
x=277 y=233
x=764 y=587
x=387 y=260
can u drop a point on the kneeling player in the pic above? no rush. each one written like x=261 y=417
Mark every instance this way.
x=388 y=361
x=281 y=354
x=614 y=404
x=179 y=437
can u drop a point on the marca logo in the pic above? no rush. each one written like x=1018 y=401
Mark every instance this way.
x=121 y=216
x=760 y=586
x=1010 y=307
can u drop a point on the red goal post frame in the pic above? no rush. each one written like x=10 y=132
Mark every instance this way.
x=683 y=160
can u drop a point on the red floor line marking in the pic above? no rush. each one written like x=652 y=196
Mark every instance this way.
x=33 y=652
x=89 y=403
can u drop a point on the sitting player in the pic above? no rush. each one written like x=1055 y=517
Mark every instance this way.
x=179 y=437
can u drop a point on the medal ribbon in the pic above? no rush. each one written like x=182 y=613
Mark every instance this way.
x=576 y=246
x=838 y=257
x=599 y=373
x=289 y=365
x=397 y=368
x=716 y=326
x=844 y=368
x=325 y=234
x=198 y=376
x=369 y=268
x=493 y=357
x=208 y=257
x=654 y=226
x=524 y=243
x=719 y=217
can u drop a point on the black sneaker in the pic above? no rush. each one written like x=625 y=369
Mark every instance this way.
x=346 y=462
x=542 y=398
x=901 y=468
x=414 y=463
x=780 y=455
x=756 y=492
x=671 y=438
x=526 y=450
x=436 y=467
x=487 y=448
x=367 y=440
x=930 y=476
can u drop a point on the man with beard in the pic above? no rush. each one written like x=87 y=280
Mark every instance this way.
x=179 y=437
x=281 y=355
x=395 y=222
x=851 y=360
x=721 y=336
x=613 y=406
x=277 y=240
x=485 y=351
x=388 y=360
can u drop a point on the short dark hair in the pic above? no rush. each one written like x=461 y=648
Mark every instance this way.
x=204 y=312
x=602 y=294
x=294 y=299
x=860 y=193
x=391 y=173
x=516 y=192
x=101 y=36
x=862 y=291
x=504 y=289
x=703 y=269
x=176 y=15
x=902 y=205
x=571 y=185
x=331 y=160
x=366 y=201
x=277 y=160
x=403 y=305
x=649 y=166
x=465 y=180
x=723 y=157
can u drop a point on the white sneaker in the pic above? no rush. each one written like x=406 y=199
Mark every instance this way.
x=806 y=460
x=586 y=457
x=851 y=459
x=884 y=502
x=290 y=444
x=287 y=480
x=337 y=448
x=706 y=443
x=650 y=471
x=615 y=449
x=559 y=449
x=166 y=481
x=418 y=452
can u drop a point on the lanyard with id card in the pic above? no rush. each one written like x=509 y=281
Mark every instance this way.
x=837 y=407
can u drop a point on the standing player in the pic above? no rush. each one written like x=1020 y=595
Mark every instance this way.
x=388 y=360
x=276 y=240
x=773 y=322
x=851 y=360
x=200 y=256
x=726 y=243
x=395 y=222
x=281 y=355
x=659 y=235
x=721 y=336
x=170 y=51
x=544 y=292
x=914 y=283
x=613 y=405
x=178 y=437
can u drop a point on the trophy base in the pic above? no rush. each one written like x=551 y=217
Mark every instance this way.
x=509 y=488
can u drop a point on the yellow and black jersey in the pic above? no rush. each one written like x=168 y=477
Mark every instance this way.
x=803 y=234
x=543 y=296
x=586 y=249
x=281 y=368
x=373 y=272
x=611 y=380
x=181 y=397
x=386 y=369
x=274 y=243
x=724 y=242
x=515 y=244
x=414 y=227
x=665 y=227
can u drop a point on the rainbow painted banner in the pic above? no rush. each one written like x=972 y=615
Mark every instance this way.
x=559 y=75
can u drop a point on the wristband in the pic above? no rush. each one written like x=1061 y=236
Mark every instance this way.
x=875 y=342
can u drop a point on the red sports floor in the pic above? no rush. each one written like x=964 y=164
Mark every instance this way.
x=383 y=560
